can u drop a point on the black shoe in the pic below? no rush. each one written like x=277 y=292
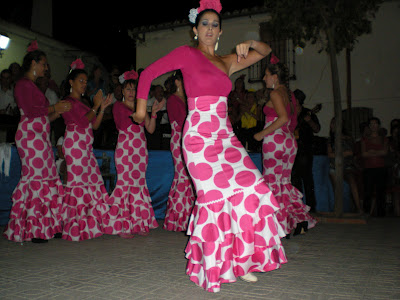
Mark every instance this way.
x=39 y=241
x=58 y=235
x=297 y=231
x=305 y=225
x=288 y=236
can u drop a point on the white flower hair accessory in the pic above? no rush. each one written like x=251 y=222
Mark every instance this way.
x=193 y=15
x=127 y=76
x=204 y=4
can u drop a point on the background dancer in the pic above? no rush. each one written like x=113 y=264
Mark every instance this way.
x=181 y=196
x=131 y=203
x=279 y=149
x=35 y=215
x=85 y=199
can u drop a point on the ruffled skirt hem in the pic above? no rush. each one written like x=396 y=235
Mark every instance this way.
x=36 y=210
x=130 y=211
x=232 y=238
x=84 y=210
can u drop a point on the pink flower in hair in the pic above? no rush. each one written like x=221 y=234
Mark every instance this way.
x=77 y=64
x=128 y=75
x=33 y=46
x=273 y=60
x=210 y=4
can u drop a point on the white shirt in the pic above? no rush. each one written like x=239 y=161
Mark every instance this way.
x=51 y=96
x=150 y=103
x=7 y=99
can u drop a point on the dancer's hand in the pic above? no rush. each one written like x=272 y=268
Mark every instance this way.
x=106 y=102
x=157 y=106
x=98 y=99
x=62 y=106
x=259 y=136
x=242 y=50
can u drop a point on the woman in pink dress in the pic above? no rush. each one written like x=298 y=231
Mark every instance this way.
x=130 y=201
x=233 y=228
x=85 y=198
x=280 y=148
x=35 y=215
x=181 y=196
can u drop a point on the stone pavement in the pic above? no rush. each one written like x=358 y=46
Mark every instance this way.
x=331 y=261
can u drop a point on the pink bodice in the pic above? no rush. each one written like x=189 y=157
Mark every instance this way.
x=200 y=76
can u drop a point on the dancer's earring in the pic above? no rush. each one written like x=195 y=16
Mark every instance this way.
x=123 y=99
x=70 y=90
x=34 y=72
x=195 y=37
x=216 y=45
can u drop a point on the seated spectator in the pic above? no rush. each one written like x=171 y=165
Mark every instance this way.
x=57 y=127
x=349 y=167
x=250 y=115
x=7 y=102
x=8 y=108
x=16 y=72
x=394 y=166
x=374 y=148
x=236 y=98
x=158 y=140
x=52 y=84
x=95 y=82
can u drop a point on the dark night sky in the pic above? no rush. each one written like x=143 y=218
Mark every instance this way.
x=101 y=27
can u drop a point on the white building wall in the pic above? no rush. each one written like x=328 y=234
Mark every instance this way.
x=375 y=63
x=59 y=55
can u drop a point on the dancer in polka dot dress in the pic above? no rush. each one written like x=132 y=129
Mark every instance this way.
x=233 y=227
x=280 y=148
x=130 y=201
x=85 y=199
x=181 y=196
x=36 y=212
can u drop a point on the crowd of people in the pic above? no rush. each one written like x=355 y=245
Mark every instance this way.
x=234 y=215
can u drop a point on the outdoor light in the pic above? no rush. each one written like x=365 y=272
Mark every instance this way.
x=4 y=41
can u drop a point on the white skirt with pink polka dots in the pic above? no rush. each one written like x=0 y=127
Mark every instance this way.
x=181 y=196
x=84 y=207
x=279 y=153
x=37 y=199
x=131 y=211
x=233 y=225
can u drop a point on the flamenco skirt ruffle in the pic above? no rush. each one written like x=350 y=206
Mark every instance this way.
x=36 y=210
x=180 y=203
x=233 y=237
x=130 y=211
x=84 y=210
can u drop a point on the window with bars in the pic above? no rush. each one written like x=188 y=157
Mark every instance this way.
x=283 y=49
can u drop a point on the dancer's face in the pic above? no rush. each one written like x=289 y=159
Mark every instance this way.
x=269 y=79
x=79 y=84
x=129 y=92
x=40 y=67
x=208 y=30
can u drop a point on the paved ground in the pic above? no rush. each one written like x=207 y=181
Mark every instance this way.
x=331 y=261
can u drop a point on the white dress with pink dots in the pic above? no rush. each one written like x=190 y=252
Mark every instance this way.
x=233 y=227
x=181 y=196
x=131 y=211
x=84 y=207
x=37 y=199
x=279 y=153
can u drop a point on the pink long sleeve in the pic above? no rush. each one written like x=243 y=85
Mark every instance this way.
x=77 y=114
x=30 y=99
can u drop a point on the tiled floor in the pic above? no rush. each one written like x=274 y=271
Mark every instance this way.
x=331 y=261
